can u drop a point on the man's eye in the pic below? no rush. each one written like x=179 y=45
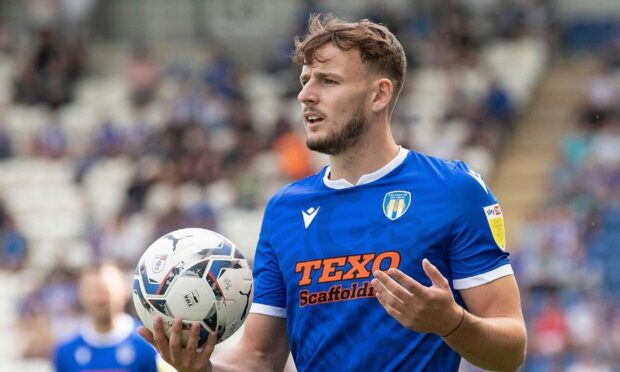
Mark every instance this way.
x=330 y=81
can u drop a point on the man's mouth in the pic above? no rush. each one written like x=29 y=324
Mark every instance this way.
x=312 y=119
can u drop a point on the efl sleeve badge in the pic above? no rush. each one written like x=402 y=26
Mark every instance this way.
x=495 y=218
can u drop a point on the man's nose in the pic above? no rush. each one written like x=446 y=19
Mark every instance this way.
x=308 y=94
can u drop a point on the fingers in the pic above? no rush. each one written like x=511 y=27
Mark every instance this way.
x=402 y=305
x=159 y=336
x=147 y=335
x=400 y=281
x=385 y=288
x=393 y=286
x=205 y=354
x=172 y=350
x=192 y=345
x=410 y=284
x=176 y=350
x=390 y=310
x=434 y=274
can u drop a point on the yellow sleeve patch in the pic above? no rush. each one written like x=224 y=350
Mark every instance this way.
x=495 y=218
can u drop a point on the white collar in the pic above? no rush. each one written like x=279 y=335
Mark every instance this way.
x=366 y=178
x=122 y=329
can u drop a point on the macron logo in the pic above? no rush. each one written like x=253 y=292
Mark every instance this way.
x=309 y=215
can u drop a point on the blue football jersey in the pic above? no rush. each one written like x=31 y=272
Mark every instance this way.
x=321 y=240
x=122 y=350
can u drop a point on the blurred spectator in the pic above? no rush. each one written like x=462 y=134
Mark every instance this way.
x=49 y=313
x=246 y=183
x=46 y=50
x=6 y=143
x=143 y=74
x=600 y=95
x=138 y=135
x=49 y=72
x=219 y=73
x=124 y=239
x=247 y=139
x=7 y=42
x=37 y=337
x=108 y=140
x=606 y=144
x=55 y=85
x=290 y=147
x=14 y=246
x=575 y=150
x=27 y=85
x=214 y=110
x=201 y=215
x=75 y=58
x=51 y=139
x=582 y=321
x=498 y=103
x=173 y=218
x=137 y=189
x=185 y=106
x=550 y=335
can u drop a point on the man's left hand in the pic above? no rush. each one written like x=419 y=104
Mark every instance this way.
x=415 y=306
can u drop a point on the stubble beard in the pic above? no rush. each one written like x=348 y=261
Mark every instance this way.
x=337 y=142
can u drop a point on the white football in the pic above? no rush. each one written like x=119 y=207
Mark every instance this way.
x=198 y=275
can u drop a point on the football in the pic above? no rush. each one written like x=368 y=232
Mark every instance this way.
x=198 y=275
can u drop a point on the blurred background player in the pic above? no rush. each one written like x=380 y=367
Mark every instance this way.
x=106 y=338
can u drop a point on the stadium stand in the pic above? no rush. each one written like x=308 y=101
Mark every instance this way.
x=567 y=257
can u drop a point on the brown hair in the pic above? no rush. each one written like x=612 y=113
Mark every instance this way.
x=377 y=46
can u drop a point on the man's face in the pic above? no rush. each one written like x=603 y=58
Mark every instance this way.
x=103 y=294
x=334 y=100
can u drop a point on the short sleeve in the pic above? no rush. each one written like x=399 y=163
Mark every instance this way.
x=269 y=289
x=477 y=252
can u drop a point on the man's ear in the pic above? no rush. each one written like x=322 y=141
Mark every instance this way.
x=384 y=90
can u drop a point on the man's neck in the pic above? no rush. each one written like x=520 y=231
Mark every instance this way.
x=364 y=158
x=104 y=326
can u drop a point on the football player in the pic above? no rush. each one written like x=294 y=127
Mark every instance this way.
x=387 y=259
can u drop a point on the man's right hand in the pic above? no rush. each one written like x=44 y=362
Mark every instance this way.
x=184 y=359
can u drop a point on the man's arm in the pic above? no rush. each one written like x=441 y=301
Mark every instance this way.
x=263 y=347
x=490 y=335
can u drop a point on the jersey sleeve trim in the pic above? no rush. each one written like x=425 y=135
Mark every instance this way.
x=484 y=278
x=279 y=312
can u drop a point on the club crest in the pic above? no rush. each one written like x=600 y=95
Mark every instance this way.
x=396 y=203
